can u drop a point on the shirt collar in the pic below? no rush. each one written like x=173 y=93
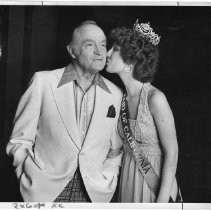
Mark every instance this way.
x=70 y=75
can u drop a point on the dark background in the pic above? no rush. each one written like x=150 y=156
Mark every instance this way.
x=34 y=38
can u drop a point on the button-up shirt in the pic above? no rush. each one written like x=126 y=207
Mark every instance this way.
x=84 y=106
x=84 y=100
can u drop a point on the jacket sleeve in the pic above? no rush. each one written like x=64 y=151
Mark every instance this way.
x=25 y=126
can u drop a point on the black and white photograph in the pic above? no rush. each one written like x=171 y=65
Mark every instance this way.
x=105 y=103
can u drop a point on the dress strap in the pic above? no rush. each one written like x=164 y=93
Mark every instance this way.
x=143 y=106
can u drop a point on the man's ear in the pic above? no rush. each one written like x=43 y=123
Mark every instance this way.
x=70 y=50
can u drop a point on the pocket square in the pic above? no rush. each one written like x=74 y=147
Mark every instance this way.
x=111 y=112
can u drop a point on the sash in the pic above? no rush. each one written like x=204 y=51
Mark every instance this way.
x=148 y=172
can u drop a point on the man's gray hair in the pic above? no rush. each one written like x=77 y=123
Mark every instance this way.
x=86 y=22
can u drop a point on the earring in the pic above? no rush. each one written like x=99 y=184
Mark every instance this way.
x=128 y=68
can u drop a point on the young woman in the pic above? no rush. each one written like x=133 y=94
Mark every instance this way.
x=146 y=123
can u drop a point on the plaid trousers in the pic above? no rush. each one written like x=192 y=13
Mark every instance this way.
x=75 y=190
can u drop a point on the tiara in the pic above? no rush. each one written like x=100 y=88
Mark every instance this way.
x=147 y=32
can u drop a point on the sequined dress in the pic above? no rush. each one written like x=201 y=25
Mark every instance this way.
x=133 y=187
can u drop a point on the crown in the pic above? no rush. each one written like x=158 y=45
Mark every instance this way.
x=147 y=32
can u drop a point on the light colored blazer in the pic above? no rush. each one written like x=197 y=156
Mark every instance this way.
x=45 y=140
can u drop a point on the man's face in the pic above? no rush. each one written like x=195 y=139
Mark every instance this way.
x=89 y=47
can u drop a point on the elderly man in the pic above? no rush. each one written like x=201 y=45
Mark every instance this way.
x=64 y=142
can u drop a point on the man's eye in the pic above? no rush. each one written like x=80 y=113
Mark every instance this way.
x=89 y=44
x=103 y=45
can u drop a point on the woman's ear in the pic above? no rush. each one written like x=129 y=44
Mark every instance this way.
x=70 y=50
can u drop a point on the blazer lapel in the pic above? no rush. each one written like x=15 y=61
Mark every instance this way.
x=64 y=98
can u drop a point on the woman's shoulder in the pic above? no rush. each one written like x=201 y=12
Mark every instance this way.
x=155 y=94
x=156 y=99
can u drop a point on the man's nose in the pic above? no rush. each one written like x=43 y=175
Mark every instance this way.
x=98 y=51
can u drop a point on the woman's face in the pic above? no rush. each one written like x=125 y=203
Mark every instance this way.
x=115 y=63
